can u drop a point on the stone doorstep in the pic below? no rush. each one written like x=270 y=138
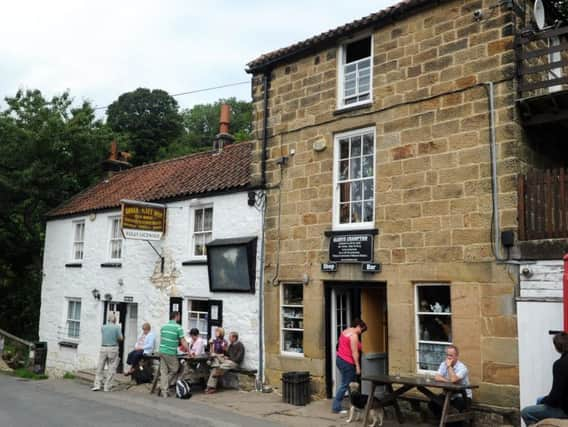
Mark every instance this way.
x=121 y=382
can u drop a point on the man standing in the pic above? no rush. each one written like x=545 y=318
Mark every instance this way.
x=555 y=405
x=111 y=335
x=171 y=335
x=232 y=359
x=452 y=371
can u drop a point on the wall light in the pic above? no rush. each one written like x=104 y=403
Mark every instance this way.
x=96 y=294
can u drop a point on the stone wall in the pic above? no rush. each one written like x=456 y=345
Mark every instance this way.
x=139 y=277
x=433 y=185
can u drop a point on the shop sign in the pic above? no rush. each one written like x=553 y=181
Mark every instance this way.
x=329 y=267
x=143 y=221
x=351 y=248
x=369 y=267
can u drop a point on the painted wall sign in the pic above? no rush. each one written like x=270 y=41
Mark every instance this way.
x=351 y=248
x=369 y=267
x=143 y=221
x=329 y=267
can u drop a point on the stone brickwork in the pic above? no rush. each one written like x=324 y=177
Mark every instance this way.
x=433 y=204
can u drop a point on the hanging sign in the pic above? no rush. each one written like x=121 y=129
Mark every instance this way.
x=351 y=248
x=143 y=221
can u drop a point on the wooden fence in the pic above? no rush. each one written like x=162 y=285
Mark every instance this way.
x=543 y=204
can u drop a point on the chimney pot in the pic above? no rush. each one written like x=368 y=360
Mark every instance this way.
x=225 y=119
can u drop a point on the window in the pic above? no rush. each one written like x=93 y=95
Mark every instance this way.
x=197 y=314
x=115 y=239
x=202 y=230
x=292 y=318
x=78 y=240
x=73 y=318
x=355 y=179
x=433 y=325
x=355 y=72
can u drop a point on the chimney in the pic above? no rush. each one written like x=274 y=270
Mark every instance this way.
x=117 y=160
x=223 y=137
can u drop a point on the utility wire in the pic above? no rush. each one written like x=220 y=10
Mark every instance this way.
x=196 y=91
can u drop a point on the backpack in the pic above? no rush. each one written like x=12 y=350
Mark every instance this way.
x=183 y=389
x=142 y=374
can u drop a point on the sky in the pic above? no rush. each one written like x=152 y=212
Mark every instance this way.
x=100 y=49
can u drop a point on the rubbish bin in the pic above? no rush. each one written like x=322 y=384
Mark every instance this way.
x=40 y=355
x=373 y=364
x=296 y=388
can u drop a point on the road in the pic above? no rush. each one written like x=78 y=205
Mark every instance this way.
x=62 y=403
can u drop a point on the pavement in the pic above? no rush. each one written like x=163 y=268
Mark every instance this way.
x=58 y=402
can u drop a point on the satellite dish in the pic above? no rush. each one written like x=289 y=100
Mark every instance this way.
x=539 y=14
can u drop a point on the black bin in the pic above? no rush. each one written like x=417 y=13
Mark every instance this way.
x=296 y=388
x=40 y=355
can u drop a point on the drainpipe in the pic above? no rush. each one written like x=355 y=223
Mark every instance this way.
x=260 y=379
x=490 y=87
x=265 y=84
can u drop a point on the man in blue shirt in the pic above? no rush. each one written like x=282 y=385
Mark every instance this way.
x=111 y=335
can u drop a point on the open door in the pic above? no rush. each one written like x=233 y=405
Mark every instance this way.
x=119 y=310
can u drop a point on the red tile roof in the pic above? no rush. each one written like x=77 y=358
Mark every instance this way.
x=386 y=16
x=192 y=175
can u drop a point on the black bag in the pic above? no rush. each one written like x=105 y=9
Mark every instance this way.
x=183 y=389
x=142 y=374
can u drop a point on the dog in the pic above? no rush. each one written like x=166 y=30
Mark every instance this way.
x=357 y=402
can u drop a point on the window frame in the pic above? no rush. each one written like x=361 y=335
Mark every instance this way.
x=281 y=328
x=363 y=225
x=193 y=233
x=76 y=223
x=341 y=58
x=112 y=238
x=203 y=333
x=417 y=313
x=68 y=319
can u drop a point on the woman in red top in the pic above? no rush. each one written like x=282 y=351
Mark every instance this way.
x=347 y=361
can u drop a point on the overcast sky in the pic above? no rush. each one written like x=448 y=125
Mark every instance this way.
x=100 y=49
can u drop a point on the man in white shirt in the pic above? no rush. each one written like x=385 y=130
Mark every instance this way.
x=453 y=371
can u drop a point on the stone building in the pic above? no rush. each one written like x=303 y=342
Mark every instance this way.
x=393 y=146
x=90 y=270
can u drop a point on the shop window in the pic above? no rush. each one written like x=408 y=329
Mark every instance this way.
x=355 y=72
x=292 y=318
x=433 y=325
x=78 y=240
x=354 y=166
x=73 y=318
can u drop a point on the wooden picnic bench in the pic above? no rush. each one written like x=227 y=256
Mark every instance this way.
x=423 y=385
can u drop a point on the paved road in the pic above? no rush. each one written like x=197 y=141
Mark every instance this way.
x=62 y=403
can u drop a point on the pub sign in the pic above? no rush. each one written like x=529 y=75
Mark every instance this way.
x=143 y=221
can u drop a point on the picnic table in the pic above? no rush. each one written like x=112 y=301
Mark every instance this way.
x=188 y=361
x=423 y=385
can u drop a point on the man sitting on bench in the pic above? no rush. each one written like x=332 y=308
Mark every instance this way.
x=232 y=359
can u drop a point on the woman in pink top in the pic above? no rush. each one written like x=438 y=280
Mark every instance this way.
x=347 y=360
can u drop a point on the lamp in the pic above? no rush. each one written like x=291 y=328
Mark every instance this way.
x=108 y=297
x=96 y=294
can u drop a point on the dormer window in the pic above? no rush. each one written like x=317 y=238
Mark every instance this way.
x=355 y=73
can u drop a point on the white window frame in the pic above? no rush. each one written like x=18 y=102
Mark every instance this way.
x=77 y=242
x=417 y=312
x=113 y=238
x=69 y=319
x=282 y=328
x=336 y=193
x=194 y=210
x=201 y=315
x=341 y=58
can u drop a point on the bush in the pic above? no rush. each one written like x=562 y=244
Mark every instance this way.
x=24 y=373
x=68 y=376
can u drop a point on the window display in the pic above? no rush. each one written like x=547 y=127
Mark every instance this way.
x=292 y=318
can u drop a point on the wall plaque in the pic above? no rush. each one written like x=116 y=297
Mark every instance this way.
x=351 y=248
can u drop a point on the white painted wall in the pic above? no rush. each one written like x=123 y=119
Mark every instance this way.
x=539 y=310
x=140 y=277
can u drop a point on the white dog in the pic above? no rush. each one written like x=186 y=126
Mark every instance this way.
x=357 y=402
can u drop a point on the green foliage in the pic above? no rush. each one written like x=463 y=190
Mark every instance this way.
x=68 y=376
x=49 y=151
x=24 y=373
x=149 y=119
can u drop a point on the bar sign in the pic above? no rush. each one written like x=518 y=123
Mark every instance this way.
x=368 y=267
x=329 y=267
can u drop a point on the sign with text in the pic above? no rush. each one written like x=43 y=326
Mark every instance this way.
x=351 y=248
x=369 y=267
x=143 y=221
x=329 y=267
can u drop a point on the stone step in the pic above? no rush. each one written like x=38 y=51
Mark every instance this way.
x=88 y=376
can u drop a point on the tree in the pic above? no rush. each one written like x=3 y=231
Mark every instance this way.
x=49 y=151
x=149 y=119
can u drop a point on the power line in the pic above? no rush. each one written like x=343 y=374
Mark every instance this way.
x=189 y=92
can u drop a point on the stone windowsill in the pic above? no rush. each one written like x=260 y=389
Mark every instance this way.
x=351 y=108
x=74 y=265
x=111 y=264
x=195 y=262
x=69 y=344
x=373 y=231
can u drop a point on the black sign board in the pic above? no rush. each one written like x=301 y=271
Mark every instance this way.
x=368 y=267
x=351 y=248
x=329 y=267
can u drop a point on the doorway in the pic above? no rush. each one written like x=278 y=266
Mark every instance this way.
x=119 y=309
x=344 y=302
